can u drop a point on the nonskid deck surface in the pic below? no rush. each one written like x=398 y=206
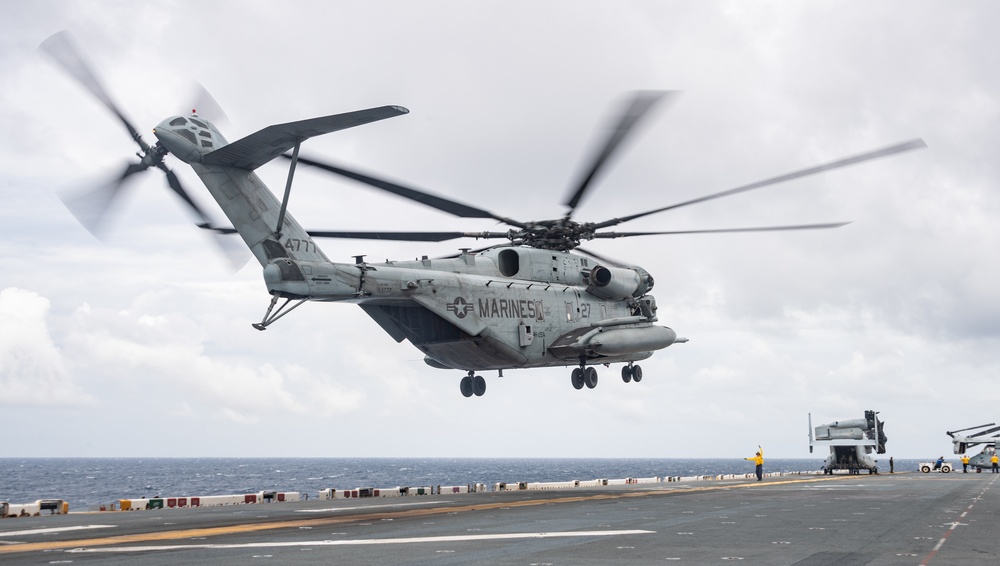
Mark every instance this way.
x=885 y=519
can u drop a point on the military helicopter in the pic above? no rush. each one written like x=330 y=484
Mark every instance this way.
x=987 y=435
x=528 y=302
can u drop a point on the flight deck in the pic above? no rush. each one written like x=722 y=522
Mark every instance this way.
x=907 y=518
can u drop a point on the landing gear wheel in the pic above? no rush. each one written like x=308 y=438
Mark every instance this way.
x=626 y=374
x=577 y=378
x=479 y=385
x=590 y=377
x=637 y=373
x=466 y=386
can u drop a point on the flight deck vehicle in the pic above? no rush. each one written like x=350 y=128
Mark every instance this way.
x=928 y=467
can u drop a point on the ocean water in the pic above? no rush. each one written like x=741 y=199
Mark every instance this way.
x=89 y=482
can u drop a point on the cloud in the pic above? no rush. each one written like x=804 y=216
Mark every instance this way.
x=166 y=359
x=32 y=370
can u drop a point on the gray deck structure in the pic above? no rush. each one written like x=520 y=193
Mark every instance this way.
x=908 y=518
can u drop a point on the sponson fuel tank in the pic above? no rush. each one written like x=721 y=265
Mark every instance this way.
x=615 y=341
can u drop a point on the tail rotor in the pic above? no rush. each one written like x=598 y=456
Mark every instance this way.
x=91 y=206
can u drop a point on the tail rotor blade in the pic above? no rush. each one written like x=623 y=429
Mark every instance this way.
x=91 y=208
x=61 y=48
x=175 y=184
x=207 y=107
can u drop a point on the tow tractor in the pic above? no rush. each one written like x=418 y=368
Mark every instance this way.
x=927 y=467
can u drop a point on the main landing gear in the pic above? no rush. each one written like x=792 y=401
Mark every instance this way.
x=584 y=376
x=473 y=384
x=631 y=372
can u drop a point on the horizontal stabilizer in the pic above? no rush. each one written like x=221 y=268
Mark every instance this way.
x=260 y=147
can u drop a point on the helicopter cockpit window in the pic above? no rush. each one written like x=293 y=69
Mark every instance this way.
x=205 y=134
x=198 y=123
x=509 y=263
x=206 y=143
x=178 y=122
x=187 y=134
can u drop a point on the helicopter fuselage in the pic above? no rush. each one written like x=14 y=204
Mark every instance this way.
x=465 y=314
x=505 y=308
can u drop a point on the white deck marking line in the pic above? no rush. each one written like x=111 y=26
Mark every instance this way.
x=335 y=509
x=358 y=542
x=930 y=556
x=53 y=530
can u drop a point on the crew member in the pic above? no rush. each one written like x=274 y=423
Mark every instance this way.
x=994 y=460
x=937 y=465
x=965 y=464
x=759 y=461
x=892 y=465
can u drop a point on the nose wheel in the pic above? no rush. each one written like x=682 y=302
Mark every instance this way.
x=473 y=384
x=631 y=373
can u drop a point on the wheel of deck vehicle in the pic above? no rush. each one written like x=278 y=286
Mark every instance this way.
x=925 y=469
x=945 y=469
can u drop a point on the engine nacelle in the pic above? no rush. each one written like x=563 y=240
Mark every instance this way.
x=617 y=283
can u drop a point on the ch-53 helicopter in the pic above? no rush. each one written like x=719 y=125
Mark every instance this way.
x=528 y=302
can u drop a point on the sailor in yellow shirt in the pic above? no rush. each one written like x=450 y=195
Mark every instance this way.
x=759 y=461
x=994 y=460
x=965 y=464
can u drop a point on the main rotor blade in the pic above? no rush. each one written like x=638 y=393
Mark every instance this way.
x=884 y=152
x=61 y=48
x=440 y=203
x=405 y=236
x=722 y=230
x=91 y=208
x=640 y=105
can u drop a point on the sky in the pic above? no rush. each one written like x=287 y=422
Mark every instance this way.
x=139 y=343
